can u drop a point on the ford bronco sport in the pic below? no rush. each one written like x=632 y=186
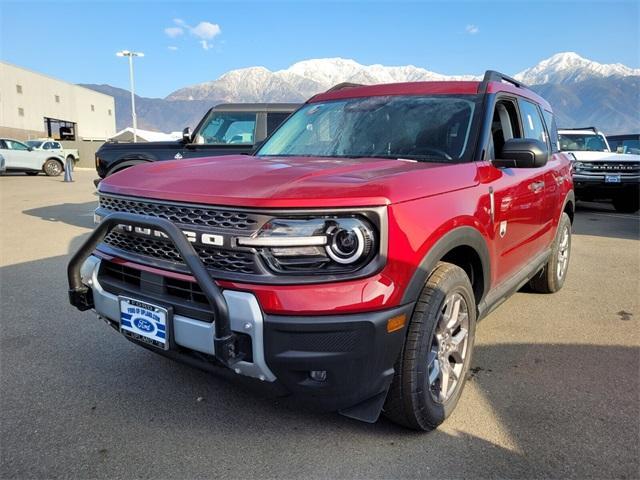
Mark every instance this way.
x=600 y=173
x=350 y=259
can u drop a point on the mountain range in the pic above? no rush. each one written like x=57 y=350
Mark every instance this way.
x=582 y=92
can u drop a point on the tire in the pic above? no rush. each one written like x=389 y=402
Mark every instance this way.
x=32 y=173
x=551 y=277
x=414 y=401
x=53 y=167
x=629 y=203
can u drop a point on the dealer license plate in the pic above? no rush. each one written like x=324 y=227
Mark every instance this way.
x=144 y=322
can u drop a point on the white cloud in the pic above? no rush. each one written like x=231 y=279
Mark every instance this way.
x=173 y=32
x=472 y=29
x=206 y=30
x=173 y=48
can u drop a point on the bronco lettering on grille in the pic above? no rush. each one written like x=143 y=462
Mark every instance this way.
x=193 y=237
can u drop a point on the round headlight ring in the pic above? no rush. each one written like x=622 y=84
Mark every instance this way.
x=334 y=252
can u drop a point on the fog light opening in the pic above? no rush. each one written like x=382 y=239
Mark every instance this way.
x=318 y=375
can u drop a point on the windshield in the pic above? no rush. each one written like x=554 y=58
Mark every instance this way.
x=625 y=145
x=34 y=143
x=227 y=128
x=429 y=128
x=582 y=142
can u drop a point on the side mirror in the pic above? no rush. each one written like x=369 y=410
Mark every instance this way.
x=30 y=149
x=523 y=153
x=186 y=135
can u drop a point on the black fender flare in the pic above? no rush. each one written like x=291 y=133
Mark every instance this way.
x=129 y=162
x=458 y=237
x=569 y=197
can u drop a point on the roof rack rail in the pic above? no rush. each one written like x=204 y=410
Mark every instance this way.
x=593 y=129
x=494 y=76
x=343 y=86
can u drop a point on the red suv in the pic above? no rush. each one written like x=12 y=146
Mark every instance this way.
x=349 y=260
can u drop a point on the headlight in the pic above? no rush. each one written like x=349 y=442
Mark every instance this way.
x=327 y=244
x=577 y=166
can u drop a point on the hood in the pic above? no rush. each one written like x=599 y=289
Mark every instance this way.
x=289 y=182
x=604 y=157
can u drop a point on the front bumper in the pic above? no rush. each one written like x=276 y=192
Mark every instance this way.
x=355 y=351
x=595 y=186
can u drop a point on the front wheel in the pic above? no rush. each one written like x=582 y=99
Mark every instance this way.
x=627 y=203
x=551 y=277
x=432 y=368
x=52 y=167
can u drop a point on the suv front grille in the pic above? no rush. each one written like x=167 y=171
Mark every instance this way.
x=184 y=214
x=213 y=258
x=601 y=168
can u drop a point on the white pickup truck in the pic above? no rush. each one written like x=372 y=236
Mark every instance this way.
x=20 y=157
x=55 y=147
x=599 y=173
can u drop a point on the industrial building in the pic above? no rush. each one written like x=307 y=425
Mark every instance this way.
x=33 y=105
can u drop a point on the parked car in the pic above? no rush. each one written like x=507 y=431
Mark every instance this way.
x=225 y=129
x=20 y=157
x=56 y=147
x=629 y=143
x=600 y=174
x=350 y=258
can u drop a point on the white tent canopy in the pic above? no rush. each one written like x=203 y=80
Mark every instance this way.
x=126 y=135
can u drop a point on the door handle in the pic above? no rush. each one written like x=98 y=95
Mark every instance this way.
x=536 y=187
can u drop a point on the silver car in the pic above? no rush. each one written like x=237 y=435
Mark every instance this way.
x=19 y=157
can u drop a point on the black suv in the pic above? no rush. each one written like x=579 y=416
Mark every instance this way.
x=226 y=129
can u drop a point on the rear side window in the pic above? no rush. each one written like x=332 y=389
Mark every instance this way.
x=550 y=120
x=56 y=146
x=274 y=119
x=531 y=121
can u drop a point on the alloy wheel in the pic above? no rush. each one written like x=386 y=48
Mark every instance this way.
x=563 y=253
x=449 y=347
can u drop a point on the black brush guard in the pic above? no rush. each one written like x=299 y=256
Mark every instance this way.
x=81 y=296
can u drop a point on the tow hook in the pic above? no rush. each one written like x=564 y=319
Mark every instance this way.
x=81 y=298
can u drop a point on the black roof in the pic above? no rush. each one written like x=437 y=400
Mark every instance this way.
x=625 y=136
x=257 y=107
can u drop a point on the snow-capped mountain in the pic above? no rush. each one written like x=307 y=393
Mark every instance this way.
x=580 y=91
x=568 y=67
x=306 y=78
x=301 y=80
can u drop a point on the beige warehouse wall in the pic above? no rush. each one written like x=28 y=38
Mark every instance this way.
x=93 y=112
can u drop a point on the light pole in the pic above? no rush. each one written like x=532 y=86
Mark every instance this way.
x=127 y=53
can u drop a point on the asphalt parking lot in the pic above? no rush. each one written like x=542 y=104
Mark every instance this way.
x=554 y=388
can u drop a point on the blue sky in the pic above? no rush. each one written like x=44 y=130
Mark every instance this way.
x=77 y=41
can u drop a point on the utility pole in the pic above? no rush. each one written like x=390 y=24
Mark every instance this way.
x=134 y=118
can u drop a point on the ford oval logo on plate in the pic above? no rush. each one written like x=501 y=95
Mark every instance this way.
x=143 y=324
